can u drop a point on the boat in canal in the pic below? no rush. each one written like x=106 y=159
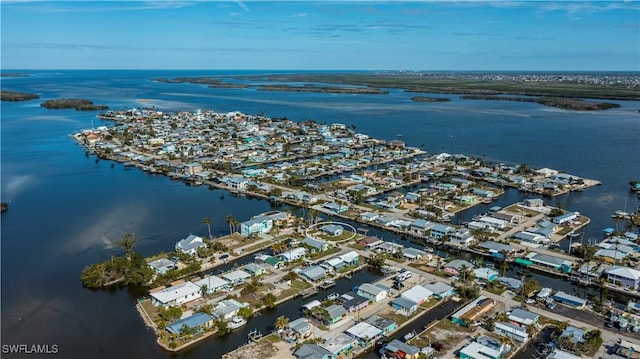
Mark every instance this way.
x=236 y=323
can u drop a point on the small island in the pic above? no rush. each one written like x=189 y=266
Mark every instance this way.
x=17 y=96
x=325 y=89
x=559 y=102
x=78 y=104
x=429 y=99
x=4 y=207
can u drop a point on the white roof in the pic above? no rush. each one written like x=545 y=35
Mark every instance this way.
x=477 y=350
x=560 y=354
x=417 y=294
x=236 y=275
x=349 y=256
x=334 y=261
x=624 y=272
x=312 y=304
x=212 y=282
x=174 y=292
x=364 y=331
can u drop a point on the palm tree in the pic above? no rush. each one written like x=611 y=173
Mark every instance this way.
x=207 y=221
x=229 y=219
x=281 y=322
x=127 y=243
x=204 y=290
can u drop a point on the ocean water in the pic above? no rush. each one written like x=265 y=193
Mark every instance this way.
x=66 y=210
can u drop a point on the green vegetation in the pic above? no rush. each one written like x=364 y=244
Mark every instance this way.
x=429 y=99
x=132 y=269
x=323 y=89
x=4 y=207
x=459 y=85
x=16 y=96
x=78 y=104
x=560 y=102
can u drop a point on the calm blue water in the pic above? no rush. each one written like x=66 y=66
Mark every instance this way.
x=66 y=210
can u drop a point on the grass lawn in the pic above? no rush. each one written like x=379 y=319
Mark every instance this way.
x=328 y=252
x=341 y=237
x=430 y=303
x=273 y=338
x=260 y=245
x=151 y=309
x=296 y=286
x=398 y=318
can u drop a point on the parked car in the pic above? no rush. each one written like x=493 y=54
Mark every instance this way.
x=552 y=305
x=530 y=301
x=223 y=257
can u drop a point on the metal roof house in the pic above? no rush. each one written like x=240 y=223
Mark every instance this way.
x=440 y=290
x=372 y=292
x=382 y=323
x=338 y=344
x=417 y=294
x=313 y=273
x=311 y=351
x=198 y=320
x=548 y=261
x=176 y=295
x=365 y=333
x=624 y=276
x=478 y=351
x=236 y=277
x=162 y=265
x=398 y=349
x=353 y=302
x=512 y=331
x=523 y=317
x=293 y=254
x=569 y=299
x=404 y=306
x=213 y=283
x=300 y=328
x=190 y=245
x=316 y=244
x=336 y=313
x=255 y=269
x=472 y=311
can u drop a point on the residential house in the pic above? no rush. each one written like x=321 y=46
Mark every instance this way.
x=365 y=333
x=313 y=273
x=336 y=313
x=570 y=300
x=255 y=269
x=274 y=262
x=353 y=302
x=440 y=230
x=299 y=329
x=420 y=227
x=565 y=218
x=236 y=277
x=440 y=290
x=399 y=349
x=495 y=247
x=350 y=258
x=176 y=295
x=549 y=261
x=382 y=323
x=332 y=229
x=162 y=265
x=197 y=320
x=372 y=292
x=311 y=351
x=456 y=266
x=534 y=203
x=338 y=346
x=293 y=254
x=190 y=245
x=336 y=207
x=624 y=276
x=486 y=274
x=256 y=225
x=315 y=245
x=213 y=283
x=472 y=311
x=523 y=317
x=417 y=294
x=414 y=254
x=404 y=306
x=511 y=330
x=576 y=334
x=462 y=237
x=369 y=216
x=476 y=350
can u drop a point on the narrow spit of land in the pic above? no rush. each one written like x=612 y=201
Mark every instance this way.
x=16 y=96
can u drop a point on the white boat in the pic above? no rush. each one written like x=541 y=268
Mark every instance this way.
x=408 y=336
x=236 y=322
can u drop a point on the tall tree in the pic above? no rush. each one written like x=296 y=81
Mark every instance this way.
x=207 y=221
x=229 y=219
x=127 y=243
x=281 y=322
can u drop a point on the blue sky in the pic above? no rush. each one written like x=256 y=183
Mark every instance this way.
x=358 y=35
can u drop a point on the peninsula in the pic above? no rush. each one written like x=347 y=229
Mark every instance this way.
x=324 y=89
x=560 y=102
x=429 y=99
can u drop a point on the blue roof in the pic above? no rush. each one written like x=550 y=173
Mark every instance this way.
x=403 y=302
x=193 y=321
